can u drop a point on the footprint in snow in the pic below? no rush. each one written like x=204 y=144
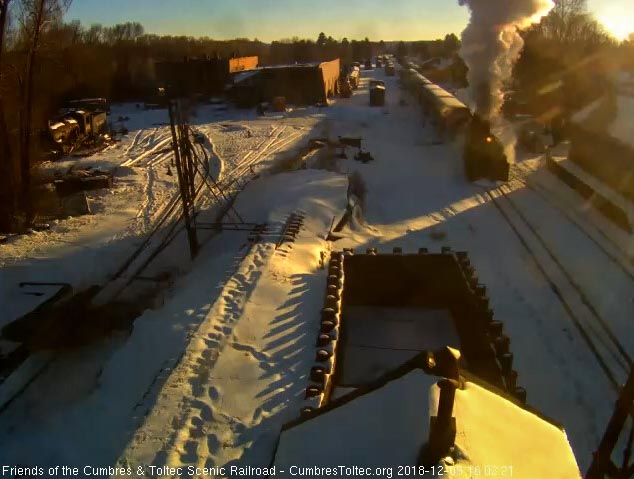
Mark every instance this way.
x=213 y=444
x=213 y=393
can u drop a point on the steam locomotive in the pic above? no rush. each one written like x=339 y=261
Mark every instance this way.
x=484 y=155
x=75 y=126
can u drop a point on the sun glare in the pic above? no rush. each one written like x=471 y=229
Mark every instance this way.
x=620 y=27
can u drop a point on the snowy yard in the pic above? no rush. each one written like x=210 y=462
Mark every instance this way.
x=209 y=378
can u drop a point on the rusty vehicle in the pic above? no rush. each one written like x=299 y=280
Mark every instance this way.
x=75 y=127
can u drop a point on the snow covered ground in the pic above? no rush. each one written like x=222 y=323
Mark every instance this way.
x=209 y=378
x=86 y=250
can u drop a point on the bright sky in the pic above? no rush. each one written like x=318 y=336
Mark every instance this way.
x=275 y=19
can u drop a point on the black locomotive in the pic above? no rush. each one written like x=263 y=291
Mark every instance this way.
x=484 y=155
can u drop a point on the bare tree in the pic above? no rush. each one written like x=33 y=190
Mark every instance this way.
x=35 y=16
x=569 y=22
x=8 y=202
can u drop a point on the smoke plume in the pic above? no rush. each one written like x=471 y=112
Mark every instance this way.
x=491 y=45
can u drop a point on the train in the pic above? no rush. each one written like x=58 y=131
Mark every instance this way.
x=73 y=127
x=483 y=155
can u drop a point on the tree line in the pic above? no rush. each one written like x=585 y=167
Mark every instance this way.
x=45 y=61
x=569 y=59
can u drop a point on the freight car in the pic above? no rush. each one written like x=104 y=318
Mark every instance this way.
x=449 y=114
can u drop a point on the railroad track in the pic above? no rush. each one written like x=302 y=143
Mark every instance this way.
x=168 y=217
x=613 y=252
x=595 y=331
x=276 y=234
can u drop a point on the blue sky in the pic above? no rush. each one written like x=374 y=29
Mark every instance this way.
x=275 y=19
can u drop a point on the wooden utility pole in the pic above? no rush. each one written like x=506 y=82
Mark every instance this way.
x=602 y=466
x=185 y=180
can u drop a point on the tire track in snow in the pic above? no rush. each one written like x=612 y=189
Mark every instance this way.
x=158 y=146
x=134 y=142
x=277 y=144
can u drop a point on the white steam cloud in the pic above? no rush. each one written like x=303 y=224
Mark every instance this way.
x=491 y=45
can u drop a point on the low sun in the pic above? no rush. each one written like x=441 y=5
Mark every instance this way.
x=620 y=27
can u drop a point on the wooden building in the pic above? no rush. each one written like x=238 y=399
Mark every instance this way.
x=301 y=84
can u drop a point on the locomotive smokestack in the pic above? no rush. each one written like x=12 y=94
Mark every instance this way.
x=491 y=45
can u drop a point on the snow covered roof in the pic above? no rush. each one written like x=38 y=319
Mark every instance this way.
x=389 y=425
x=492 y=430
x=294 y=65
x=377 y=429
x=617 y=122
